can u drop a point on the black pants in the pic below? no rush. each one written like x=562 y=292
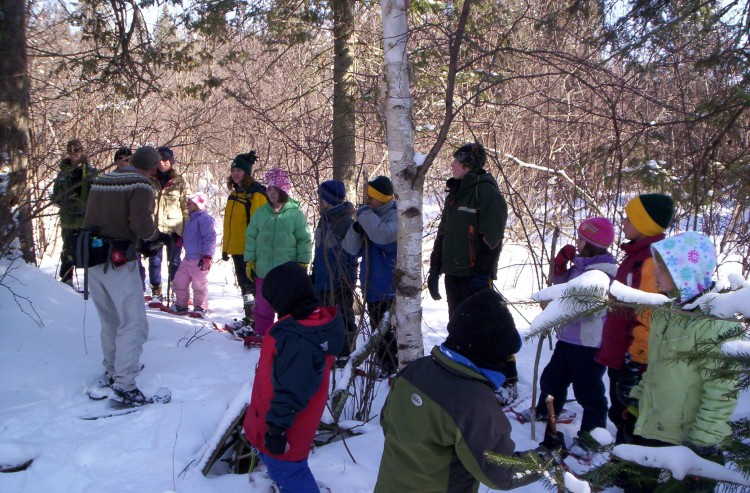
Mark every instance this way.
x=457 y=289
x=246 y=285
x=572 y=364
x=388 y=349
x=67 y=256
x=343 y=299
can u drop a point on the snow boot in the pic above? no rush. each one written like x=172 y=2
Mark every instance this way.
x=132 y=398
x=178 y=309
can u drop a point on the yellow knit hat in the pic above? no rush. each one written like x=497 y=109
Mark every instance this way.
x=650 y=213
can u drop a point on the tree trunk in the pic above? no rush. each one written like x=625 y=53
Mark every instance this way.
x=15 y=220
x=408 y=183
x=343 y=93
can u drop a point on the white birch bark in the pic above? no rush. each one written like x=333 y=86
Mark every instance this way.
x=408 y=184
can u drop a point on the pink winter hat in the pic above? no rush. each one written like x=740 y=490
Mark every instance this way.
x=277 y=177
x=199 y=199
x=598 y=231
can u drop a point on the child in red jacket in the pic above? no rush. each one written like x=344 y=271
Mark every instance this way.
x=290 y=388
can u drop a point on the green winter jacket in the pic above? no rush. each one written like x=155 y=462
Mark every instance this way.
x=676 y=401
x=439 y=420
x=70 y=192
x=273 y=238
x=472 y=227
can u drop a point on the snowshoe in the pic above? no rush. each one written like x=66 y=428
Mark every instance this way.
x=156 y=302
x=176 y=309
x=253 y=341
x=122 y=399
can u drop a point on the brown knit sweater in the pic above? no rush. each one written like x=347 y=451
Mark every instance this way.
x=121 y=205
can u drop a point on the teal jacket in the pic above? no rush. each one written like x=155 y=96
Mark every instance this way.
x=273 y=238
x=676 y=401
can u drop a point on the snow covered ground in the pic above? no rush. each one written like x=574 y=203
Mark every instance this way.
x=50 y=354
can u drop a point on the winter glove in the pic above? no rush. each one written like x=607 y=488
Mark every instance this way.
x=204 y=263
x=178 y=241
x=554 y=442
x=704 y=451
x=358 y=228
x=224 y=256
x=565 y=255
x=433 y=284
x=250 y=270
x=275 y=440
x=627 y=378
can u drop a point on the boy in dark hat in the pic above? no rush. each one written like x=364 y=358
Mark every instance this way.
x=474 y=209
x=333 y=269
x=624 y=346
x=441 y=415
x=290 y=389
x=373 y=236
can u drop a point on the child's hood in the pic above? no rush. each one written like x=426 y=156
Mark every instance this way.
x=324 y=328
x=690 y=259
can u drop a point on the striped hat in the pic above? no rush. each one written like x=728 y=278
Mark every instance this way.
x=650 y=213
x=380 y=188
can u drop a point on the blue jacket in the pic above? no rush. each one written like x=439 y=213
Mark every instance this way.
x=377 y=246
x=332 y=266
x=199 y=236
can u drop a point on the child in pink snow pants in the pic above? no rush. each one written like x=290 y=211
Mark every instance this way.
x=199 y=241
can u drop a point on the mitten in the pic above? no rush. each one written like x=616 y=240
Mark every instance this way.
x=554 y=442
x=565 y=255
x=164 y=239
x=250 y=270
x=178 y=241
x=224 y=256
x=433 y=284
x=204 y=263
x=627 y=378
x=358 y=228
x=275 y=440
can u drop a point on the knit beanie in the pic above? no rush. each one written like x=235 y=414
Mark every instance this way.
x=650 y=213
x=245 y=162
x=598 y=231
x=289 y=290
x=146 y=158
x=166 y=154
x=199 y=199
x=482 y=329
x=277 y=177
x=332 y=191
x=690 y=258
x=473 y=156
x=380 y=188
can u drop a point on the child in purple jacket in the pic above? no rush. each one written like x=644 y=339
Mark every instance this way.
x=572 y=360
x=199 y=241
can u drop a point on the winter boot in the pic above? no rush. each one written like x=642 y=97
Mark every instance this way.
x=178 y=310
x=249 y=305
x=131 y=398
x=156 y=294
x=105 y=380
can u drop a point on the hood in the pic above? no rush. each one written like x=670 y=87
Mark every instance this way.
x=345 y=209
x=690 y=259
x=323 y=328
x=471 y=180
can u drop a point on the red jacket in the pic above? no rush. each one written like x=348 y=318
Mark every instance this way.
x=290 y=389
x=617 y=334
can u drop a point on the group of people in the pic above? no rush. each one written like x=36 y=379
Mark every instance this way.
x=442 y=413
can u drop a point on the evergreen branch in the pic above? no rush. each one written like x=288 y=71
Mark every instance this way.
x=546 y=467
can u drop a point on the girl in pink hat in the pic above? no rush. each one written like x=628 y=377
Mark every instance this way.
x=277 y=234
x=572 y=361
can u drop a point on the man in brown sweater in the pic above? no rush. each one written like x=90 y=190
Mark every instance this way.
x=120 y=211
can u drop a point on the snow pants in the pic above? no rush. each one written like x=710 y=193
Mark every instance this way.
x=573 y=364
x=188 y=273
x=263 y=312
x=67 y=255
x=118 y=299
x=290 y=477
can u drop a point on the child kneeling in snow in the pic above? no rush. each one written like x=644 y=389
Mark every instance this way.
x=677 y=402
x=572 y=361
x=199 y=241
x=290 y=389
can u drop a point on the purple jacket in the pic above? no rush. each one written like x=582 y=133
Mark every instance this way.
x=199 y=236
x=586 y=331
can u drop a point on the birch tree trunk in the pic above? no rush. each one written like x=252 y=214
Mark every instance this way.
x=407 y=182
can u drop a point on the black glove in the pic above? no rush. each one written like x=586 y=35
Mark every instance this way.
x=224 y=256
x=433 y=284
x=627 y=378
x=704 y=451
x=358 y=228
x=275 y=440
x=554 y=442
x=164 y=239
